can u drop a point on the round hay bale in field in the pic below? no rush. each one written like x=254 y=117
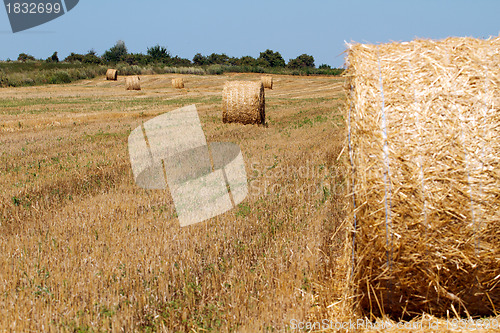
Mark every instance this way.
x=178 y=83
x=424 y=147
x=267 y=81
x=133 y=83
x=112 y=74
x=243 y=102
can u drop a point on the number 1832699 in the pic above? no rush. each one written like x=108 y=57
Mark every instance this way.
x=27 y=8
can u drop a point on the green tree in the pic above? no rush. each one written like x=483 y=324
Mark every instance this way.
x=137 y=59
x=116 y=53
x=324 y=66
x=159 y=53
x=53 y=58
x=302 y=61
x=200 y=59
x=247 y=61
x=178 y=61
x=218 y=59
x=92 y=58
x=233 y=61
x=25 y=57
x=74 y=57
x=271 y=59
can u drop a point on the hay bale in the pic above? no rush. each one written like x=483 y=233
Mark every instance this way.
x=133 y=83
x=178 y=83
x=243 y=102
x=112 y=74
x=267 y=81
x=424 y=141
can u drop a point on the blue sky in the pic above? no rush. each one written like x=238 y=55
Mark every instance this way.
x=240 y=28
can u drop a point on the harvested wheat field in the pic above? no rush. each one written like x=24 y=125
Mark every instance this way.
x=82 y=248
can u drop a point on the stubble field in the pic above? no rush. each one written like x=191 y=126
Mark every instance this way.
x=82 y=248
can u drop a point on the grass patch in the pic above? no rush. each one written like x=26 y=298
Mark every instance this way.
x=19 y=74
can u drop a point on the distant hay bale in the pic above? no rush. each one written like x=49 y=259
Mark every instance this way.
x=112 y=74
x=424 y=142
x=267 y=81
x=243 y=102
x=133 y=83
x=178 y=83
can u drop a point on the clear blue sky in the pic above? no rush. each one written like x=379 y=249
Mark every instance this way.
x=240 y=28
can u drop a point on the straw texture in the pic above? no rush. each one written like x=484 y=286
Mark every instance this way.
x=133 y=83
x=243 y=102
x=112 y=74
x=424 y=142
x=178 y=83
x=267 y=81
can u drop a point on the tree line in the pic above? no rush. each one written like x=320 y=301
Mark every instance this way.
x=160 y=55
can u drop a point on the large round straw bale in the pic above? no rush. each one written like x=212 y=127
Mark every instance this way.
x=133 y=83
x=424 y=140
x=112 y=74
x=178 y=83
x=267 y=81
x=243 y=102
